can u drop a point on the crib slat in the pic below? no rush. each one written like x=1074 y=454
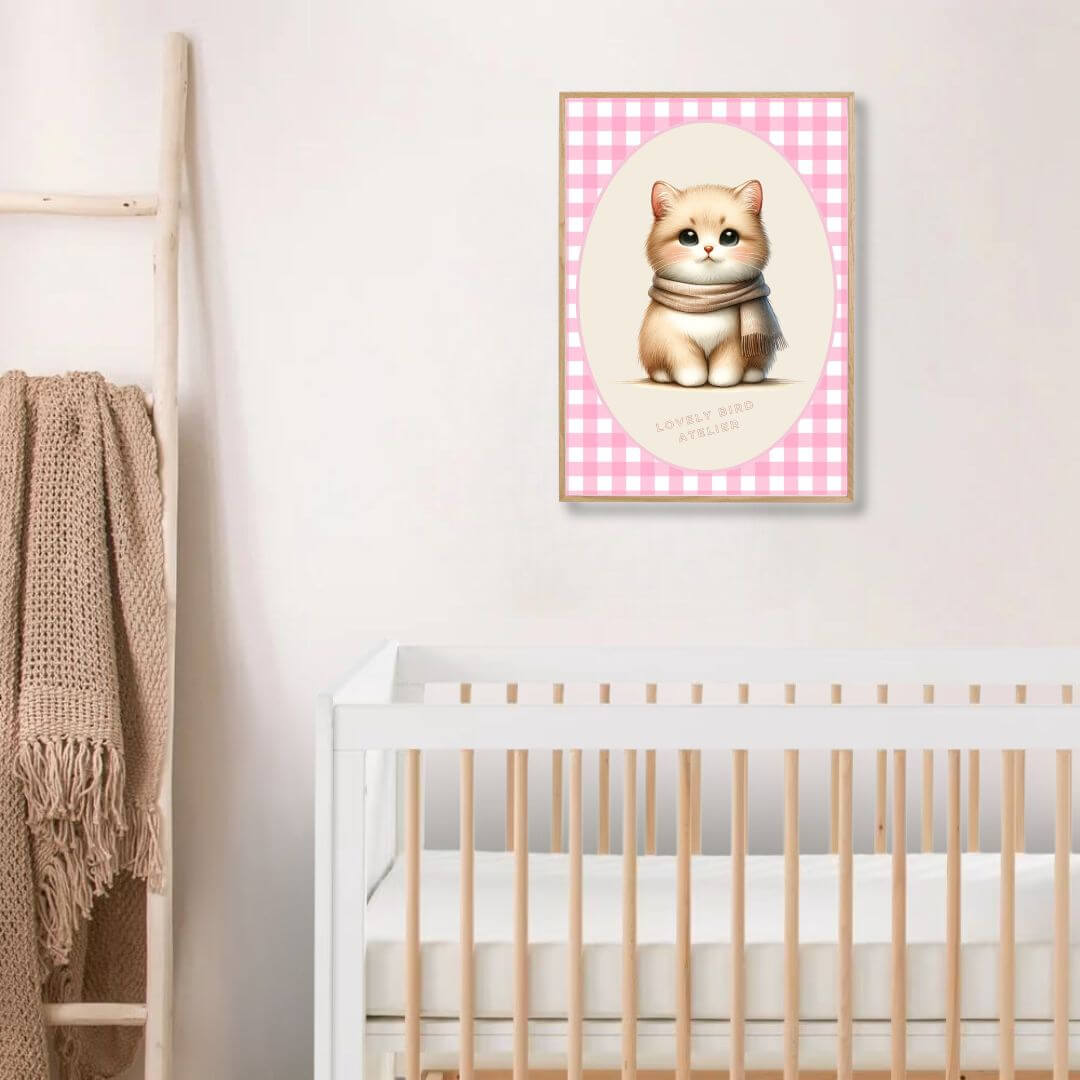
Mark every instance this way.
x=1062 y=850
x=899 y=917
x=844 y=929
x=791 y=915
x=952 y=920
x=974 y=777
x=629 y=917
x=835 y=696
x=603 y=788
x=511 y=699
x=1007 y=931
x=650 y=783
x=739 y=796
x=682 y=924
x=1020 y=764
x=468 y=961
x=881 y=787
x=575 y=991
x=521 y=915
x=558 y=696
x=412 y=915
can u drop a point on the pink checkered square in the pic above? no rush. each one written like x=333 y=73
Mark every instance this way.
x=600 y=458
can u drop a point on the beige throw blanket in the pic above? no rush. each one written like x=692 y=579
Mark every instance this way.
x=83 y=709
x=759 y=326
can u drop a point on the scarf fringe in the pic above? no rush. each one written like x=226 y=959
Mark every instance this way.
x=74 y=798
x=758 y=345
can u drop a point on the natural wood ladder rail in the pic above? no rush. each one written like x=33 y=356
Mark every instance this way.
x=27 y=202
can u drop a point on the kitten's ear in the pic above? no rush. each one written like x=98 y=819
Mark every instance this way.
x=749 y=196
x=663 y=198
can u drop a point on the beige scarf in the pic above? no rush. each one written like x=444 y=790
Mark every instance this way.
x=759 y=327
x=83 y=708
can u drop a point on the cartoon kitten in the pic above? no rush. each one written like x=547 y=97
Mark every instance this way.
x=709 y=320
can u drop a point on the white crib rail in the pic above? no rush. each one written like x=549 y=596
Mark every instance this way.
x=416 y=665
x=675 y=727
x=380 y=709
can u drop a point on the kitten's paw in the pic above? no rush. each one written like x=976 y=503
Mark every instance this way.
x=660 y=376
x=724 y=376
x=690 y=376
x=753 y=375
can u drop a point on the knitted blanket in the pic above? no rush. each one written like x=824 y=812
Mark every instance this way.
x=83 y=710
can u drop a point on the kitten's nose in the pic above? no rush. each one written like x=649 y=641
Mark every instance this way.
x=708 y=249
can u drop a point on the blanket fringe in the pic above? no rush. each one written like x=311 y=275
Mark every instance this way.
x=74 y=798
x=72 y=780
x=140 y=845
x=65 y=897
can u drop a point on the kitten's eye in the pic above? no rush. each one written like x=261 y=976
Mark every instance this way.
x=688 y=238
x=729 y=238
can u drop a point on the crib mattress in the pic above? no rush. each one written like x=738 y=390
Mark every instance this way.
x=711 y=921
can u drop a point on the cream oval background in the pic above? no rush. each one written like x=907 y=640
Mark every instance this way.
x=615 y=277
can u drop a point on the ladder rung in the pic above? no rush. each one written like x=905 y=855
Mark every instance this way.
x=32 y=202
x=95 y=1014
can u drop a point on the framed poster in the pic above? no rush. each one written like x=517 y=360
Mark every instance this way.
x=705 y=297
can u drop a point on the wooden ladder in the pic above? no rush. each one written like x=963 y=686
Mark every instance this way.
x=155 y=1014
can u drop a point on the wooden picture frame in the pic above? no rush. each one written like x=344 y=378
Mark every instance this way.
x=626 y=437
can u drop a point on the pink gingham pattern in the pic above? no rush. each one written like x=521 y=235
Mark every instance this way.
x=600 y=458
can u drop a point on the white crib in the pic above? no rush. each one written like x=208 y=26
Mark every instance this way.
x=710 y=957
